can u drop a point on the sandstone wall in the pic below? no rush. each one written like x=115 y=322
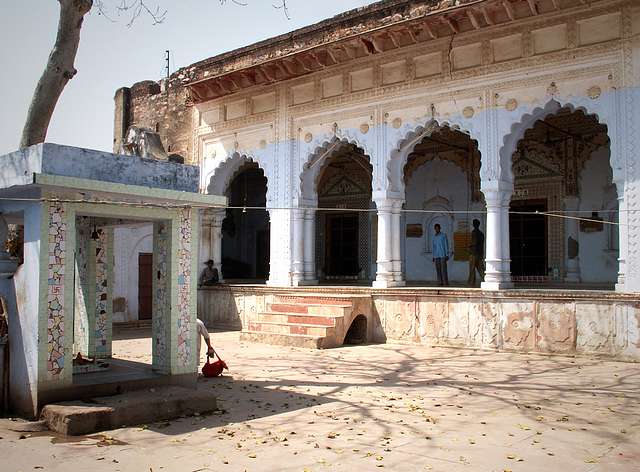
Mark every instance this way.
x=583 y=323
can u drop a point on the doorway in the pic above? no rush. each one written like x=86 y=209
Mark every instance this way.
x=528 y=238
x=145 y=286
x=342 y=247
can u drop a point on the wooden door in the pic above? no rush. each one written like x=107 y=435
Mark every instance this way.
x=342 y=231
x=145 y=286
x=528 y=238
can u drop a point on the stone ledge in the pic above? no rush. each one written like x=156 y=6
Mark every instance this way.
x=132 y=408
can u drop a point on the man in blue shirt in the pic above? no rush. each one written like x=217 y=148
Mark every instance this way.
x=440 y=252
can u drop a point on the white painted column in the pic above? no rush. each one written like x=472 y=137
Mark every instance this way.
x=298 y=239
x=396 y=236
x=572 y=232
x=498 y=259
x=215 y=249
x=384 y=275
x=623 y=235
x=310 y=277
x=205 y=237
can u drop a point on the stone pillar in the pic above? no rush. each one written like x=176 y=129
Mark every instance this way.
x=396 y=241
x=298 y=242
x=384 y=275
x=498 y=257
x=104 y=281
x=162 y=287
x=572 y=234
x=623 y=235
x=310 y=277
x=215 y=250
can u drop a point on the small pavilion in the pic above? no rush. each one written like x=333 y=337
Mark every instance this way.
x=67 y=202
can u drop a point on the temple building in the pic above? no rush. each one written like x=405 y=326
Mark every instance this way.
x=342 y=144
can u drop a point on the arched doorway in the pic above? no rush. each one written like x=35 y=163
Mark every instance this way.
x=441 y=177
x=245 y=229
x=563 y=203
x=343 y=241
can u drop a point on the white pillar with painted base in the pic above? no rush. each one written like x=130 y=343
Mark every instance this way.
x=310 y=277
x=498 y=259
x=623 y=221
x=572 y=233
x=396 y=240
x=297 y=269
x=384 y=263
x=215 y=249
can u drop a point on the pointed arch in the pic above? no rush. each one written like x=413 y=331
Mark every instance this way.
x=406 y=145
x=222 y=176
x=311 y=169
x=527 y=121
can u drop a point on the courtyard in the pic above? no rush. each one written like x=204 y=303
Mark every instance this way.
x=391 y=406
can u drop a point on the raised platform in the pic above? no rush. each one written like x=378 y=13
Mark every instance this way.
x=580 y=322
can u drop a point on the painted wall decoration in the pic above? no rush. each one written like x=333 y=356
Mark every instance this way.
x=186 y=326
x=55 y=289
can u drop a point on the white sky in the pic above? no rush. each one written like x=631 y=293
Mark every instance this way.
x=111 y=55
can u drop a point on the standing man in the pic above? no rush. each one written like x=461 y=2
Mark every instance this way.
x=476 y=254
x=440 y=252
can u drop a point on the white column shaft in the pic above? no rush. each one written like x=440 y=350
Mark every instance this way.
x=310 y=246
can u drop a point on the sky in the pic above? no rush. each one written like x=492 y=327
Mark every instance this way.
x=113 y=55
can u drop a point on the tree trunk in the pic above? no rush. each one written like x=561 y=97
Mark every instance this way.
x=58 y=72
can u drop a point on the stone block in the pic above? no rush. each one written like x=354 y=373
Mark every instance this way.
x=594 y=326
x=491 y=325
x=518 y=321
x=458 y=325
x=400 y=318
x=433 y=321
x=556 y=327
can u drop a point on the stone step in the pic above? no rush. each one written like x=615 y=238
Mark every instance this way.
x=311 y=319
x=295 y=340
x=131 y=408
x=289 y=328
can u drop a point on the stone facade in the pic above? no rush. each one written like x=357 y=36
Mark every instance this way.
x=384 y=78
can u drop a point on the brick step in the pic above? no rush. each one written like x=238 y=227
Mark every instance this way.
x=296 y=340
x=303 y=309
x=316 y=320
x=289 y=328
x=311 y=300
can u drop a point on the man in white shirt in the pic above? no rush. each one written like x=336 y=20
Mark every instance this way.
x=203 y=333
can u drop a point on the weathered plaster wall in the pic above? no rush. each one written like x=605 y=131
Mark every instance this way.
x=598 y=250
x=22 y=295
x=18 y=168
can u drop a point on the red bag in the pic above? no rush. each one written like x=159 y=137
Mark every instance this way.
x=213 y=369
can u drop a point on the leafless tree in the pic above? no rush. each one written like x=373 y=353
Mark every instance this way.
x=60 y=65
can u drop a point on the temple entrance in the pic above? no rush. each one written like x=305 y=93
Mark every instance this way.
x=528 y=238
x=245 y=229
x=561 y=167
x=342 y=245
x=343 y=242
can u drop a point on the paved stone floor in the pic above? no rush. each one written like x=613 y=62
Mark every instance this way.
x=396 y=407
